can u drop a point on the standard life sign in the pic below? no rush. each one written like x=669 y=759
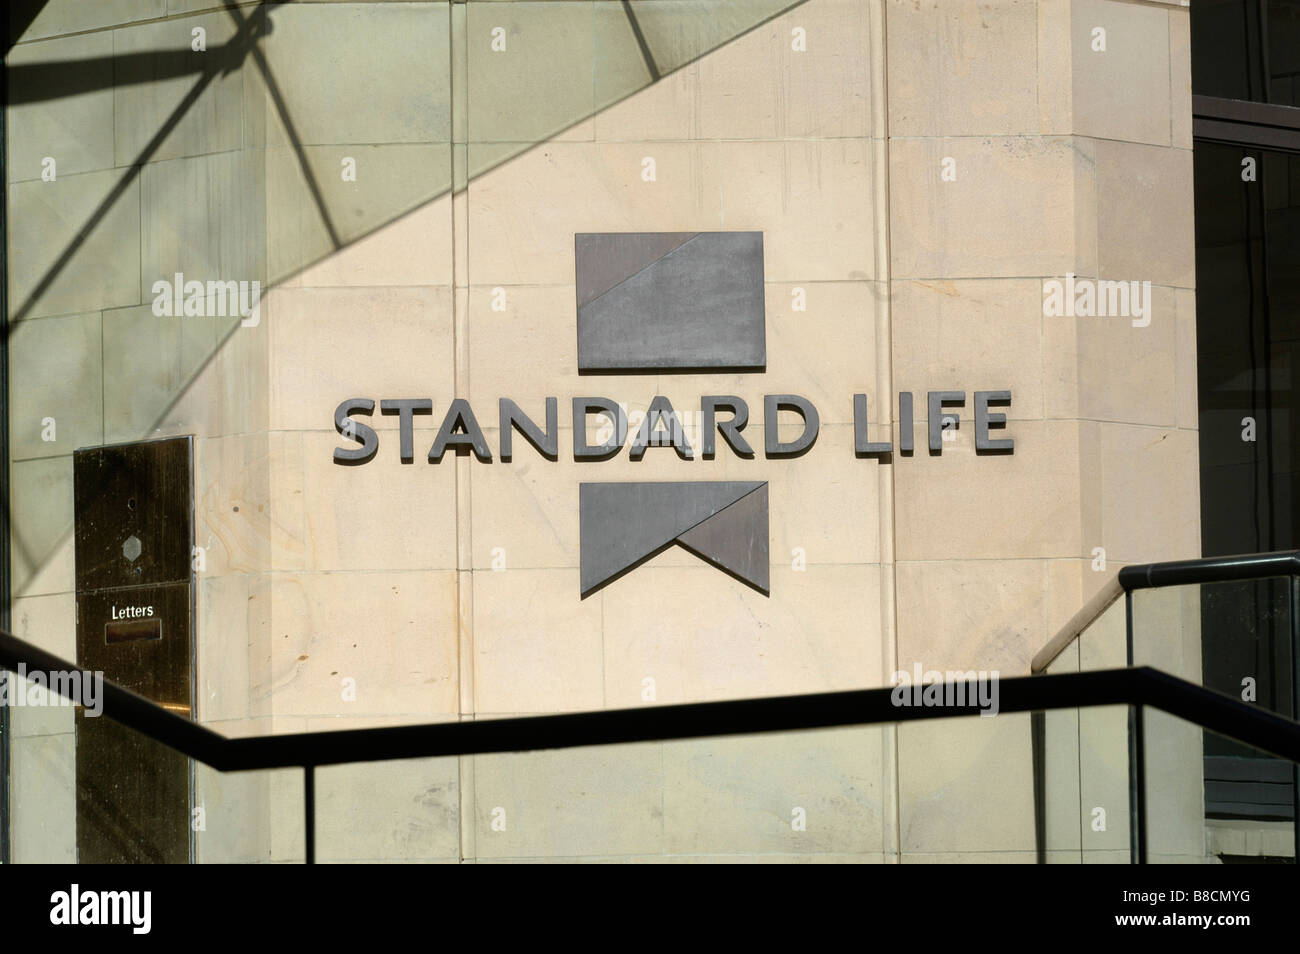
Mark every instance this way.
x=725 y=416
x=673 y=302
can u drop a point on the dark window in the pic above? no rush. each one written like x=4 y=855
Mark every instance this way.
x=1247 y=49
x=1247 y=187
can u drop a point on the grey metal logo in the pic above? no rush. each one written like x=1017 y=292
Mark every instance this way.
x=679 y=301
x=621 y=525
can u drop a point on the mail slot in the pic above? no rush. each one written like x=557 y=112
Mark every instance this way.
x=134 y=536
x=123 y=631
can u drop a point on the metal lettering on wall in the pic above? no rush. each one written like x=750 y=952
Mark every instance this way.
x=673 y=302
x=135 y=602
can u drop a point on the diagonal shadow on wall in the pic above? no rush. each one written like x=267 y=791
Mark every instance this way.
x=664 y=37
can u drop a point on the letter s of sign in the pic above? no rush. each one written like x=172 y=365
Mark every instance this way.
x=363 y=434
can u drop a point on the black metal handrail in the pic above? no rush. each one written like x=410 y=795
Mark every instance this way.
x=1140 y=686
x=1205 y=570
x=1141 y=576
x=1220 y=569
x=1135 y=687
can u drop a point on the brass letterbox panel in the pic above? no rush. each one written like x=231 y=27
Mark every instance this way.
x=141 y=492
x=134 y=537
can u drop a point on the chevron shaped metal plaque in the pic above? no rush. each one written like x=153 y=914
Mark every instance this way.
x=621 y=525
